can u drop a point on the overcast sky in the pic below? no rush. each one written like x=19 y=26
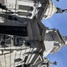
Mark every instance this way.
x=59 y=21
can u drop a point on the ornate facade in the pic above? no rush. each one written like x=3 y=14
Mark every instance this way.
x=24 y=40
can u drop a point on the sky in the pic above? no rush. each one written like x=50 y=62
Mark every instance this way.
x=59 y=21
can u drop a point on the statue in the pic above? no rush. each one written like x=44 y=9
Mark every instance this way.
x=59 y=10
x=52 y=9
